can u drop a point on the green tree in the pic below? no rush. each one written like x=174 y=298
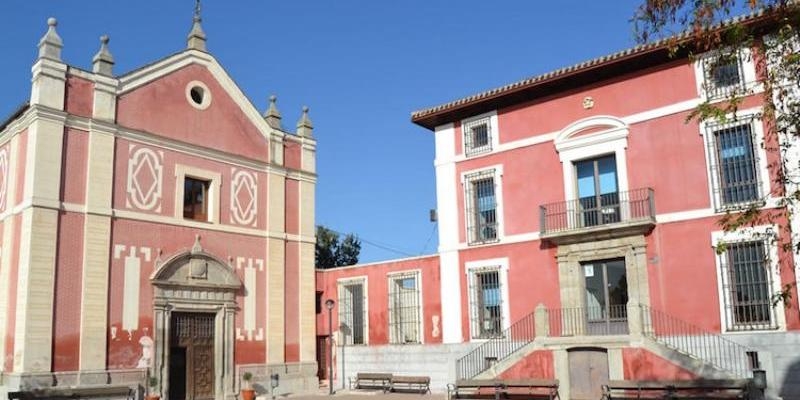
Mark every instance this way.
x=332 y=251
x=694 y=27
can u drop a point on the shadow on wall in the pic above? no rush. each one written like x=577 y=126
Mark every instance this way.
x=790 y=389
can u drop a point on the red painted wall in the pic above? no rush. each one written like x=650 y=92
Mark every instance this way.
x=124 y=350
x=79 y=96
x=537 y=365
x=68 y=286
x=640 y=364
x=73 y=175
x=161 y=107
x=377 y=294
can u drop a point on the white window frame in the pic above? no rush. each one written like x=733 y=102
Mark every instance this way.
x=746 y=68
x=761 y=232
x=340 y=284
x=215 y=182
x=572 y=146
x=490 y=119
x=495 y=264
x=417 y=275
x=498 y=196
x=707 y=130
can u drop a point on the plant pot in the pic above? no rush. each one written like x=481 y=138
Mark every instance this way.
x=152 y=397
x=248 y=394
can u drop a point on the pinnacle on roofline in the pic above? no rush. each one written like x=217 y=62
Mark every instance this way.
x=197 y=38
x=103 y=61
x=50 y=45
x=273 y=116
x=304 y=126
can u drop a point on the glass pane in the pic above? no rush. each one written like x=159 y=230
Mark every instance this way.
x=607 y=171
x=585 y=171
x=617 y=283
x=595 y=290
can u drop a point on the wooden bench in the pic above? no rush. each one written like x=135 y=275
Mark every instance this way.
x=372 y=380
x=78 y=392
x=415 y=383
x=530 y=388
x=683 y=389
x=503 y=388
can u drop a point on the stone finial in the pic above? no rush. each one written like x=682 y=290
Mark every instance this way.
x=196 y=248
x=273 y=116
x=304 y=126
x=50 y=45
x=197 y=38
x=103 y=61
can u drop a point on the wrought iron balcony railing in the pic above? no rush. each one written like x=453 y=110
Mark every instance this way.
x=597 y=212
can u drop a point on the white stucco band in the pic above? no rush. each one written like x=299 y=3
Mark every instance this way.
x=447 y=209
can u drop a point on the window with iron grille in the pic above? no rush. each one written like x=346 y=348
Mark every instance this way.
x=481 y=207
x=477 y=136
x=723 y=74
x=736 y=180
x=486 y=308
x=404 y=308
x=746 y=284
x=352 y=312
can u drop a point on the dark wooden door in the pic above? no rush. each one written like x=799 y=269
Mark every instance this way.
x=322 y=357
x=192 y=357
x=588 y=372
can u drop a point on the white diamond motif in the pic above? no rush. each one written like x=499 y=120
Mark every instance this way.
x=243 y=197
x=145 y=168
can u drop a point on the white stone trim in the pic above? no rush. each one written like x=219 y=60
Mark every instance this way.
x=497 y=169
x=206 y=95
x=534 y=138
x=215 y=182
x=613 y=140
x=749 y=79
x=340 y=283
x=494 y=133
x=501 y=265
x=171 y=64
x=416 y=273
x=757 y=125
x=761 y=232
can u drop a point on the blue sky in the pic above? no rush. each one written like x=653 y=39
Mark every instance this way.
x=362 y=66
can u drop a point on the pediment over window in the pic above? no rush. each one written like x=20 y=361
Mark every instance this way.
x=195 y=269
x=591 y=131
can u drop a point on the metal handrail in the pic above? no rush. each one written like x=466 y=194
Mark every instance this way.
x=604 y=209
x=588 y=321
x=695 y=341
x=488 y=353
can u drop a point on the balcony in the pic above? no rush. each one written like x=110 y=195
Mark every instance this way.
x=605 y=216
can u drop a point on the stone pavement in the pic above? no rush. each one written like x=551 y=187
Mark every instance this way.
x=361 y=395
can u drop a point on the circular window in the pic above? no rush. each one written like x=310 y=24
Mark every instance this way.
x=198 y=95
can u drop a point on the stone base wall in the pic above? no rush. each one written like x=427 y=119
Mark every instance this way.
x=292 y=378
x=434 y=360
x=119 y=384
x=779 y=355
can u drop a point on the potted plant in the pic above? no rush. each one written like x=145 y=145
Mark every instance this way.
x=152 y=391
x=247 y=391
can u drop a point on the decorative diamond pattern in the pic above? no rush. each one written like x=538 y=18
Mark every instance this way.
x=145 y=170
x=244 y=198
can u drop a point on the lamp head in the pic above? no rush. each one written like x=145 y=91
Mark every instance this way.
x=329 y=304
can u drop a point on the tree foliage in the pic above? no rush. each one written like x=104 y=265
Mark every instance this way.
x=694 y=27
x=334 y=251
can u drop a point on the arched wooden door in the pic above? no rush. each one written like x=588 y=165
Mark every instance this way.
x=588 y=372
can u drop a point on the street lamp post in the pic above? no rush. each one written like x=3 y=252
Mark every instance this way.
x=329 y=305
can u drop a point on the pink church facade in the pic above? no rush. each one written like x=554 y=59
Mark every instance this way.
x=579 y=234
x=154 y=224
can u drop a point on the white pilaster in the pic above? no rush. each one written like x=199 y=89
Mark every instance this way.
x=8 y=238
x=447 y=209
